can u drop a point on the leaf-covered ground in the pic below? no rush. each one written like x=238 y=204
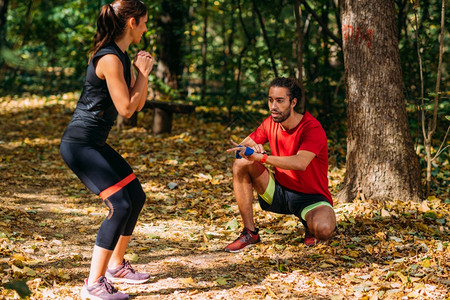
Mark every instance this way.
x=48 y=222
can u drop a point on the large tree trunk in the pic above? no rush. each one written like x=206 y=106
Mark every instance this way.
x=381 y=162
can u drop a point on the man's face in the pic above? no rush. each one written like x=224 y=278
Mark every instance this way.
x=279 y=104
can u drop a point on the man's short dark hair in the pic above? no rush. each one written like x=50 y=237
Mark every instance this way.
x=291 y=84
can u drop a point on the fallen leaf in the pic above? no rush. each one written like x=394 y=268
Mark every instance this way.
x=221 y=280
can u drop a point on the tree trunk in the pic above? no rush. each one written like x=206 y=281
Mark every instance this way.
x=432 y=122
x=381 y=162
x=3 y=11
x=170 y=38
x=298 y=22
x=204 y=48
x=228 y=25
x=324 y=26
x=250 y=40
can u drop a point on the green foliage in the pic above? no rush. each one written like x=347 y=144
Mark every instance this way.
x=47 y=43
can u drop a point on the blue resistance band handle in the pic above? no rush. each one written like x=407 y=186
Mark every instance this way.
x=248 y=152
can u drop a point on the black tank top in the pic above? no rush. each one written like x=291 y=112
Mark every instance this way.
x=95 y=112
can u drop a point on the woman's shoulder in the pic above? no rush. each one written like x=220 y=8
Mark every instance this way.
x=111 y=48
x=105 y=50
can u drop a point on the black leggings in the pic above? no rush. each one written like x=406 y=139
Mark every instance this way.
x=107 y=174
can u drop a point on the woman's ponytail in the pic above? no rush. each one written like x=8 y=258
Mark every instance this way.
x=107 y=25
x=111 y=21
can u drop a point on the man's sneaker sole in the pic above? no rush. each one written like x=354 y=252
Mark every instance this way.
x=125 y=280
x=239 y=250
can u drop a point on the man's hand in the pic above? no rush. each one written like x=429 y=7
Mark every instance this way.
x=259 y=148
x=248 y=153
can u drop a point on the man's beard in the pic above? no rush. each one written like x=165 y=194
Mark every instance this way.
x=282 y=115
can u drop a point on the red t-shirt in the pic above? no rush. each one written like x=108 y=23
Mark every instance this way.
x=307 y=135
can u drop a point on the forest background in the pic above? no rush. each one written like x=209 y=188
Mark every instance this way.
x=220 y=56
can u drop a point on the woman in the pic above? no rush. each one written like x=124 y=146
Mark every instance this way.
x=110 y=88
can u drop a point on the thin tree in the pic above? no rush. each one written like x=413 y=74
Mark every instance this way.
x=299 y=25
x=3 y=11
x=266 y=37
x=170 y=39
x=381 y=161
x=249 y=41
x=204 y=48
x=324 y=26
x=428 y=131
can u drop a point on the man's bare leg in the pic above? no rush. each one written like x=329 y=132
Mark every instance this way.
x=246 y=177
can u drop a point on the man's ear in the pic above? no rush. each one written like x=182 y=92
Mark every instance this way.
x=294 y=102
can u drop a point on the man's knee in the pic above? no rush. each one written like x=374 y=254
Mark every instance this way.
x=323 y=231
x=321 y=222
x=240 y=164
x=243 y=165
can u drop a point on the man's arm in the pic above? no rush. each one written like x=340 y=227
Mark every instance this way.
x=295 y=162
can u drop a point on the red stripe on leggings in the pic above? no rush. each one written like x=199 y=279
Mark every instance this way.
x=117 y=187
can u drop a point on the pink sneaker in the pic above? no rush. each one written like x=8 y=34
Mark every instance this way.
x=126 y=273
x=101 y=290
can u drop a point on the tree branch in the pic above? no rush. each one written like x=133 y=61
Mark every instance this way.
x=266 y=38
x=325 y=28
x=438 y=79
x=440 y=150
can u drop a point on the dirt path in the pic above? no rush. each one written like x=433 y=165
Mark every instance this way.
x=48 y=223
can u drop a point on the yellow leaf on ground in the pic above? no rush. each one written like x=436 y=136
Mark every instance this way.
x=18 y=257
x=426 y=263
x=402 y=277
x=132 y=257
x=271 y=293
x=423 y=207
x=221 y=281
x=90 y=210
x=188 y=281
x=369 y=249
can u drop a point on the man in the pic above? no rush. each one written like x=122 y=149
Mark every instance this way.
x=299 y=150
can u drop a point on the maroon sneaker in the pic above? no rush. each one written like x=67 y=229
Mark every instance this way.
x=126 y=273
x=309 y=240
x=101 y=290
x=246 y=239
